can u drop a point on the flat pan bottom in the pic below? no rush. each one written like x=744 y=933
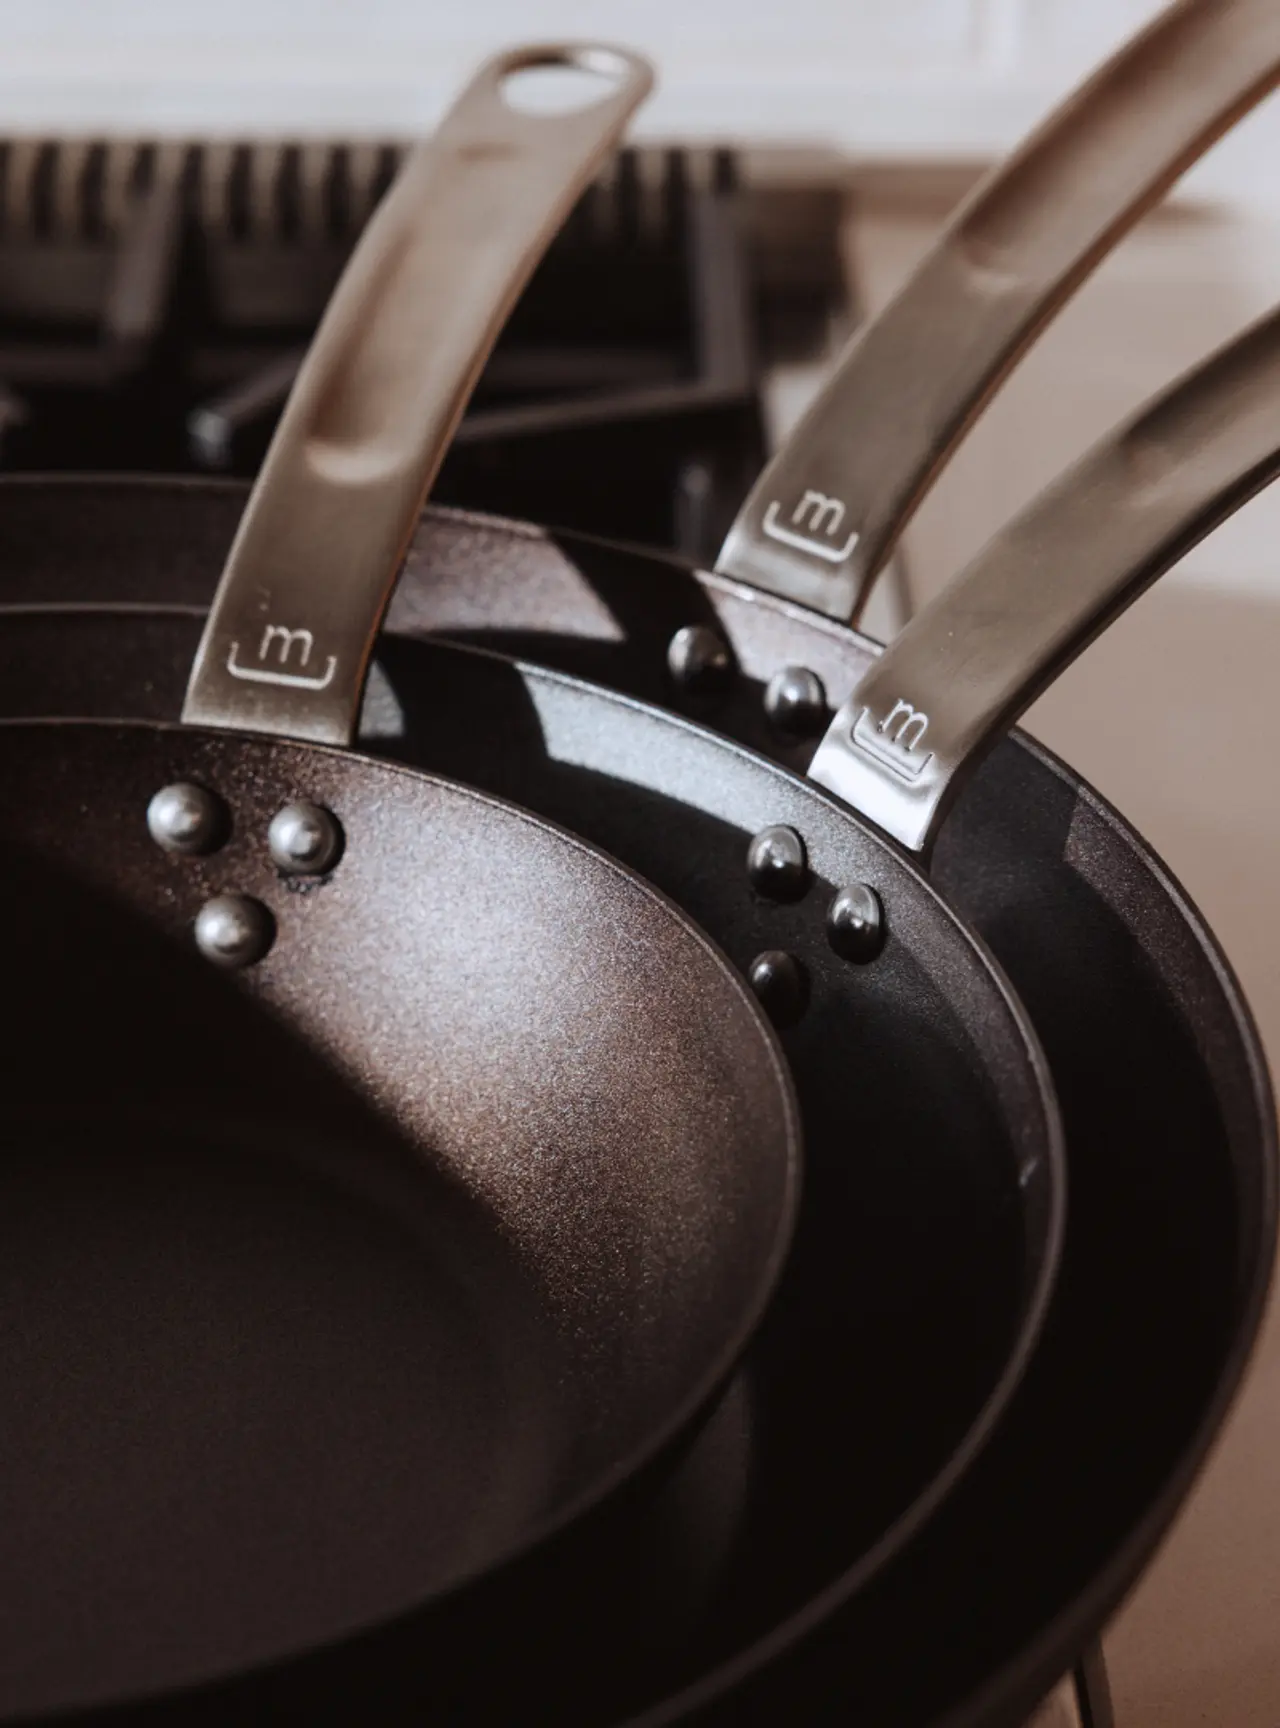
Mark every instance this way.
x=239 y=1405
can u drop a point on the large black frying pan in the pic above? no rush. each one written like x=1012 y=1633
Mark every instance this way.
x=925 y=1435
x=1094 y=541
x=277 y=1371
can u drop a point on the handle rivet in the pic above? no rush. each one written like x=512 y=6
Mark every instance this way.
x=698 y=659
x=304 y=839
x=187 y=819
x=795 y=701
x=781 y=985
x=234 y=930
x=855 y=923
x=777 y=864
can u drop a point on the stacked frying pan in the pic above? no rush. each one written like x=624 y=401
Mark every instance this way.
x=605 y=1151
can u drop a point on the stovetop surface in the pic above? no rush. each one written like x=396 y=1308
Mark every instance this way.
x=155 y=301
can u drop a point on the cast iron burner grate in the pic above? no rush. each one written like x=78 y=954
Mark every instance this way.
x=155 y=300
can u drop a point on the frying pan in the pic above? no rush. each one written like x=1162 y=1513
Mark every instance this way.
x=1028 y=1310
x=1109 y=527
x=1095 y=540
x=582 y=1189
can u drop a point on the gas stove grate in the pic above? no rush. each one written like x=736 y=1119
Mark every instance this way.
x=156 y=298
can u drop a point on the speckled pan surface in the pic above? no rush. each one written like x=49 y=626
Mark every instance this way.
x=1151 y=1050
x=595 y=1149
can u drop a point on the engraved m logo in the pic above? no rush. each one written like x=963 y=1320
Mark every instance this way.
x=284 y=639
x=818 y=506
x=895 y=741
x=907 y=717
x=821 y=514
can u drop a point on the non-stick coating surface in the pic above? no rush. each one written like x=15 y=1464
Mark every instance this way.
x=922 y=1122
x=270 y=1376
x=1160 y=1075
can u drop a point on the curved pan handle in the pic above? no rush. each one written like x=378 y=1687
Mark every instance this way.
x=982 y=650
x=827 y=510
x=398 y=352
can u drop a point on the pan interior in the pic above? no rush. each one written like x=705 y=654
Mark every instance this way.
x=925 y=1240
x=327 y=1286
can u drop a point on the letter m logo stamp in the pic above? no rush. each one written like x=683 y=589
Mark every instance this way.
x=279 y=648
x=812 y=527
x=895 y=741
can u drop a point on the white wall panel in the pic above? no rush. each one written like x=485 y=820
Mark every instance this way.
x=873 y=78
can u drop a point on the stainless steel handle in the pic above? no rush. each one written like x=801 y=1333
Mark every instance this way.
x=973 y=659
x=829 y=507
x=397 y=354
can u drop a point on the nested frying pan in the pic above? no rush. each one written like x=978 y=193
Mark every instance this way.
x=436 y=1332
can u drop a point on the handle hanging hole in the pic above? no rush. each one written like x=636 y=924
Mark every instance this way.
x=565 y=82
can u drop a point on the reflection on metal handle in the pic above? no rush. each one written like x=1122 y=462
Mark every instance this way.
x=396 y=356
x=974 y=658
x=828 y=509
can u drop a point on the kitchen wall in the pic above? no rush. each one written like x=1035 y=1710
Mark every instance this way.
x=873 y=77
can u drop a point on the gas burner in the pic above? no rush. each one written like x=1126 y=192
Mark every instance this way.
x=156 y=299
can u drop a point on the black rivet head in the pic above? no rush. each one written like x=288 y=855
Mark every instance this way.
x=698 y=659
x=187 y=819
x=795 y=701
x=304 y=839
x=234 y=930
x=777 y=864
x=781 y=985
x=855 y=923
